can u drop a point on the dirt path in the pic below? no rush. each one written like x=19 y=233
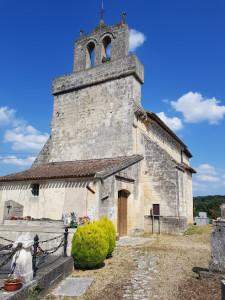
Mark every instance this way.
x=159 y=269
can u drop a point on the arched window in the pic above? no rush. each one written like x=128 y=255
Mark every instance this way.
x=90 y=55
x=106 y=49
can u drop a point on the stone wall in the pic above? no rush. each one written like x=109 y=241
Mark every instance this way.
x=168 y=225
x=164 y=183
x=94 y=122
x=163 y=139
x=119 y=36
x=109 y=189
x=55 y=198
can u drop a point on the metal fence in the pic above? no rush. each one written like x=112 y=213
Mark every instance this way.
x=38 y=252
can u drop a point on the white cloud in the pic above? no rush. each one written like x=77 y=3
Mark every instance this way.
x=174 y=123
x=206 y=169
x=25 y=137
x=6 y=115
x=207 y=178
x=196 y=109
x=223 y=175
x=136 y=39
x=22 y=136
x=13 y=160
x=198 y=186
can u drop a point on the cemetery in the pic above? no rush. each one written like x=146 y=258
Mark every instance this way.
x=106 y=208
x=151 y=260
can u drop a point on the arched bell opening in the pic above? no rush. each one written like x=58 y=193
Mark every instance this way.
x=106 y=49
x=90 y=55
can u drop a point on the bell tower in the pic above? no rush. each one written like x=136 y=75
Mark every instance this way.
x=100 y=38
x=94 y=107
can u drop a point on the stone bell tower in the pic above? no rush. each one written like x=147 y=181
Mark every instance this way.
x=94 y=107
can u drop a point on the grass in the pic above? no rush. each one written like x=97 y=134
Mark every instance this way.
x=193 y=230
x=174 y=257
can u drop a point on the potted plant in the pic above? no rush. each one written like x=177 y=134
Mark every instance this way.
x=12 y=284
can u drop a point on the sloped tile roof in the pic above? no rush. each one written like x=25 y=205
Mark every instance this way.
x=99 y=168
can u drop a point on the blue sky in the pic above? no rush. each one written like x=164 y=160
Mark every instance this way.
x=181 y=44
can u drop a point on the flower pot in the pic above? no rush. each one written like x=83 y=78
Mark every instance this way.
x=14 y=285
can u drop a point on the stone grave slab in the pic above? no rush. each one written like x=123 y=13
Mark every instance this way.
x=73 y=287
x=12 y=208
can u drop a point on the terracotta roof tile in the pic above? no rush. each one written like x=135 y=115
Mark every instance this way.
x=100 y=168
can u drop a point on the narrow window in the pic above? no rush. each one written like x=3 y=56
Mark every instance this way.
x=106 y=49
x=35 y=189
x=90 y=55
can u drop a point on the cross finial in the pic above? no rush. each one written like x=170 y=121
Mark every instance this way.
x=123 y=15
x=101 y=13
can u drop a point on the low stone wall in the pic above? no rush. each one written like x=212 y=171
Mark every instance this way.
x=168 y=225
x=47 y=278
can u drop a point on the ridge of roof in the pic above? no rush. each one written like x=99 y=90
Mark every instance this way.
x=75 y=169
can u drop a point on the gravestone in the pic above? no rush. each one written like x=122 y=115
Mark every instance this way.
x=222 y=210
x=217 y=262
x=11 y=209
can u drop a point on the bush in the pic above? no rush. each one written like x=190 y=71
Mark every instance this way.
x=89 y=246
x=110 y=230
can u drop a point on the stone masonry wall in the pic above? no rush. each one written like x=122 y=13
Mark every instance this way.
x=119 y=35
x=159 y=179
x=164 y=183
x=94 y=122
x=108 y=198
x=56 y=197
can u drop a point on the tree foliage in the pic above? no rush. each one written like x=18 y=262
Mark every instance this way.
x=208 y=204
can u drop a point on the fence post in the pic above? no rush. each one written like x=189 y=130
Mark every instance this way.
x=65 y=241
x=36 y=243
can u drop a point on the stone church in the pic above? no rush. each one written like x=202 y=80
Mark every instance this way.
x=106 y=155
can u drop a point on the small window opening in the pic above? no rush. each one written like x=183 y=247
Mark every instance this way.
x=106 y=49
x=35 y=189
x=90 y=55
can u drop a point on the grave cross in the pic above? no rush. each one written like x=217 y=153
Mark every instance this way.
x=9 y=207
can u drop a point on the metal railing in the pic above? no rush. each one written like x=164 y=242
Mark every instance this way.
x=7 y=252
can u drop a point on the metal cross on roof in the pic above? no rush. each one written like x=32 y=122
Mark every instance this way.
x=123 y=15
x=102 y=11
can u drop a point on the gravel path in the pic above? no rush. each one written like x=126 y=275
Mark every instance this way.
x=141 y=280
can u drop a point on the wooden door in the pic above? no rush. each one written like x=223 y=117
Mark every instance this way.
x=122 y=213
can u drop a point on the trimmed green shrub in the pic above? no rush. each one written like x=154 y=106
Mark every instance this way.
x=110 y=230
x=89 y=246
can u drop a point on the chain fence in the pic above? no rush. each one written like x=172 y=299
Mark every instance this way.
x=7 y=252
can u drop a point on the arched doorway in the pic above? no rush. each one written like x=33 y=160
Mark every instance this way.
x=122 y=213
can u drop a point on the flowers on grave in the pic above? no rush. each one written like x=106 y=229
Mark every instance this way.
x=84 y=220
x=38 y=253
x=73 y=222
